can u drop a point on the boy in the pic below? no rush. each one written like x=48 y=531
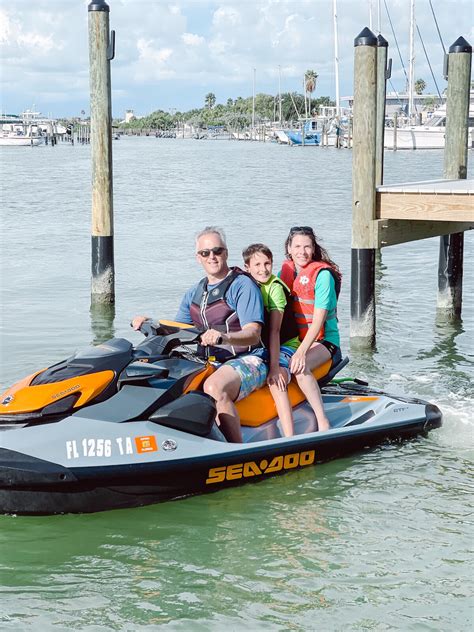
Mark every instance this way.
x=279 y=333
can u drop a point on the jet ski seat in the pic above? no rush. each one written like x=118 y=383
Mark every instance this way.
x=113 y=354
x=259 y=407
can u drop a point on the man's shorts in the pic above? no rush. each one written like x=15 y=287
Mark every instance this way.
x=252 y=371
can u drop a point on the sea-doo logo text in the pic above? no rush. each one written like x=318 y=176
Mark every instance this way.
x=8 y=399
x=68 y=390
x=245 y=470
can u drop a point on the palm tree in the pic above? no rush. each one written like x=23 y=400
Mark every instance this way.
x=420 y=85
x=210 y=100
x=310 y=79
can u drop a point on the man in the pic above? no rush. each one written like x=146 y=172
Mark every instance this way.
x=228 y=305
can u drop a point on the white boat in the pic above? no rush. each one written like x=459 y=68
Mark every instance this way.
x=16 y=134
x=430 y=135
x=27 y=129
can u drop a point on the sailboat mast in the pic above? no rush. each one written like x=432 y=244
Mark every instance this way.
x=253 y=101
x=336 y=59
x=411 y=65
x=279 y=94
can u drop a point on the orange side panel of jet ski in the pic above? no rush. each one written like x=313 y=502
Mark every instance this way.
x=26 y=381
x=259 y=407
x=197 y=381
x=27 y=398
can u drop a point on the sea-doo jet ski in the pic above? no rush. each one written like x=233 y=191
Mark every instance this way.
x=116 y=426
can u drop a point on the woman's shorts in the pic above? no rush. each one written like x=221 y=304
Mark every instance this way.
x=335 y=351
x=252 y=371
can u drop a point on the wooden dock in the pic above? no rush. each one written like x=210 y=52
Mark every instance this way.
x=394 y=214
x=418 y=210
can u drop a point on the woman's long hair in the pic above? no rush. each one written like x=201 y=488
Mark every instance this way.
x=320 y=253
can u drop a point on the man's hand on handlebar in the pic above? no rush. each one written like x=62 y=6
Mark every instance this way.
x=212 y=337
x=138 y=321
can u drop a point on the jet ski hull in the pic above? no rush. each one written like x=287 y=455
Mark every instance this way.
x=84 y=464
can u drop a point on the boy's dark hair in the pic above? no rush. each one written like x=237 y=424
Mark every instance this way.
x=253 y=249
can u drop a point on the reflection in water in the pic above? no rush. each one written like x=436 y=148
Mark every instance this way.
x=445 y=350
x=102 y=322
x=363 y=360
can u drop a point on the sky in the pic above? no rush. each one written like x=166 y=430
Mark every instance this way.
x=169 y=55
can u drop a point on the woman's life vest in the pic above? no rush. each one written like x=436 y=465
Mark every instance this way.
x=209 y=310
x=289 y=328
x=302 y=286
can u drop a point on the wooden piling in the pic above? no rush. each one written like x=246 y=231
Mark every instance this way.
x=362 y=329
x=450 y=266
x=382 y=54
x=100 y=54
x=395 y=127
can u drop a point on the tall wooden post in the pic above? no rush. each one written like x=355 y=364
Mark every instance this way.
x=363 y=189
x=450 y=266
x=382 y=53
x=395 y=127
x=100 y=54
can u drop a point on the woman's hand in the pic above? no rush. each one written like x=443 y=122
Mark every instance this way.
x=298 y=362
x=277 y=377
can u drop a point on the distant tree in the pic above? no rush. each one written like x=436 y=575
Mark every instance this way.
x=230 y=102
x=420 y=85
x=429 y=103
x=311 y=77
x=292 y=106
x=209 y=100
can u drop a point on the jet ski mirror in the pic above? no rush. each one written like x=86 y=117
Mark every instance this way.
x=148 y=329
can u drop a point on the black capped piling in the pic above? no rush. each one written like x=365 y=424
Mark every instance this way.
x=101 y=51
x=383 y=73
x=363 y=189
x=450 y=266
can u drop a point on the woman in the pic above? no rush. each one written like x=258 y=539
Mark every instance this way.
x=315 y=282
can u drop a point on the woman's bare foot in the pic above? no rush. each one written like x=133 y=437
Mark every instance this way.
x=323 y=424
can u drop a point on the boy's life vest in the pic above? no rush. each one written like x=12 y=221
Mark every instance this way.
x=209 y=310
x=289 y=328
x=302 y=285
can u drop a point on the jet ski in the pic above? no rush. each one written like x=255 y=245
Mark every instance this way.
x=115 y=426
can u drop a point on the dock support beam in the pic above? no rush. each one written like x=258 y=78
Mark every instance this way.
x=101 y=51
x=363 y=190
x=450 y=266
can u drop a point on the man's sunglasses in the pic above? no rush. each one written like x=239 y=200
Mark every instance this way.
x=217 y=250
x=306 y=230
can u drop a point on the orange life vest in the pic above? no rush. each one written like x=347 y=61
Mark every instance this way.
x=302 y=286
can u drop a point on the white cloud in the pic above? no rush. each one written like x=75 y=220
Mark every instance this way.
x=191 y=39
x=226 y=17
x=175 y=53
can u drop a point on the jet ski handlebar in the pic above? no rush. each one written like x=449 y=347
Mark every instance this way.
x=161 y=338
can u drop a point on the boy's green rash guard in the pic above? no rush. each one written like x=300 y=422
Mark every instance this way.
x=274 y=299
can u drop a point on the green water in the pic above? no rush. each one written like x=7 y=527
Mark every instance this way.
x=378 y=541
